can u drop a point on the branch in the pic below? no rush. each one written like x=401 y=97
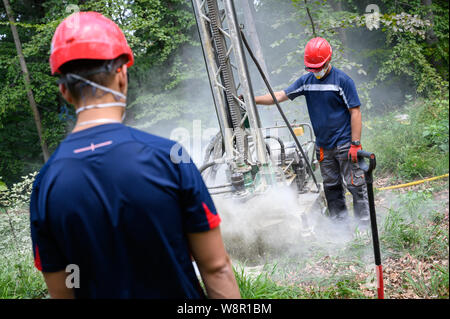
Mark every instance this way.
x=310 y=19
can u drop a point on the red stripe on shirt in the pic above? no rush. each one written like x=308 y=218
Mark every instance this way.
x=37 y=259
x=213 y=220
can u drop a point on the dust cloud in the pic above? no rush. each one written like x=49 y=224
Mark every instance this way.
x=280 y=224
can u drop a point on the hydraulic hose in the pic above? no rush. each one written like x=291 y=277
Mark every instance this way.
x=413 y=183
x=282 y=148
x=258 y=66
x=205 y=166
x=212 y=163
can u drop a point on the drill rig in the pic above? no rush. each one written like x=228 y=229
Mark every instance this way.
x=256 y=159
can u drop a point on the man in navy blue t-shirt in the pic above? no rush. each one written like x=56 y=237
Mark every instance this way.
x=114 y=213
x=334 y=110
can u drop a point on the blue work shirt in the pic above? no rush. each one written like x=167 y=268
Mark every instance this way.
x=111 y=201
x=328 y=101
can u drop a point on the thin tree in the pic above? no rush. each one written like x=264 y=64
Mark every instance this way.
x=250 y=26
x=310 y=19
x=430 y=36
x=26 y=78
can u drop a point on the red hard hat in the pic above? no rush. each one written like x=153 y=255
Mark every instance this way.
x=317 y=52
x=87 y=35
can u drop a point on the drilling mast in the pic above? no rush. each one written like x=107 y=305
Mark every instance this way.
x=241 y=144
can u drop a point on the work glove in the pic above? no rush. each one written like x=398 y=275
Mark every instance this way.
x=353 y=152
x=241 y=97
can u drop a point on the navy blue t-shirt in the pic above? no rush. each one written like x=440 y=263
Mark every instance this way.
x=111 y=201
x=328 y=101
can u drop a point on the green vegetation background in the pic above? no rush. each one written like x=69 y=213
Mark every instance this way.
x=400 y=68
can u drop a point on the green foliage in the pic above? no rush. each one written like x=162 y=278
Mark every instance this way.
x=414 y=147
x=3 y=186
x=18 y=195
x=156 y=31
x=411 y=42
x=408 y=59
x=18 y=277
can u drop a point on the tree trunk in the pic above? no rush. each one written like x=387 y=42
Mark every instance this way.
x=337 y=6
x=430 y=36
x=250 y=26
x=26 y=78
x=249 y=9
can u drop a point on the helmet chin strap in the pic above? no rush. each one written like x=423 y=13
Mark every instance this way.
x=117 y=95
x=96 y=85
x=99 y=106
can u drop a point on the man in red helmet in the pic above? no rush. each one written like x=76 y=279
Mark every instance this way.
x=112 y=216
x=334 y=109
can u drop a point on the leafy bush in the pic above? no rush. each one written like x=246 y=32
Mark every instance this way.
x=19 y=193
x=18 y=277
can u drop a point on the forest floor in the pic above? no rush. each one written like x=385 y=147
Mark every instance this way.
x=397 y=270
x=413 y=229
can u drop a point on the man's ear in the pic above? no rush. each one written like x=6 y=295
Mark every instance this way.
x=65 y=93
x=123 y=79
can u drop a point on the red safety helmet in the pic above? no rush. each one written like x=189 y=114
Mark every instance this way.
x=87 y=35
x=317 y=52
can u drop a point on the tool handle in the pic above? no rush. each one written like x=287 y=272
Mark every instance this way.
x=362 y=155
x=362 y=163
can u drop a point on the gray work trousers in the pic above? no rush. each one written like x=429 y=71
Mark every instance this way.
x=338 y=170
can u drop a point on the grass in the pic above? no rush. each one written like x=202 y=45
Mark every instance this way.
x=18 y=277
x=435 y=285
x=415 y=226
x=413 y=148
x=262 y=286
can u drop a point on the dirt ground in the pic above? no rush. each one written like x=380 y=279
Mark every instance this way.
x=396 y=271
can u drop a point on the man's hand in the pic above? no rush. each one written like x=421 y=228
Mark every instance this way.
x=353 y=153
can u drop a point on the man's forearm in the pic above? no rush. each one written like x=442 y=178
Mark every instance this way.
x=356 y=124
x=213 y=263
x=268 y=100
x=264 y=99
x=221 y=283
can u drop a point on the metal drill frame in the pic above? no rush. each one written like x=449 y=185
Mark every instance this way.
x=222 y=46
